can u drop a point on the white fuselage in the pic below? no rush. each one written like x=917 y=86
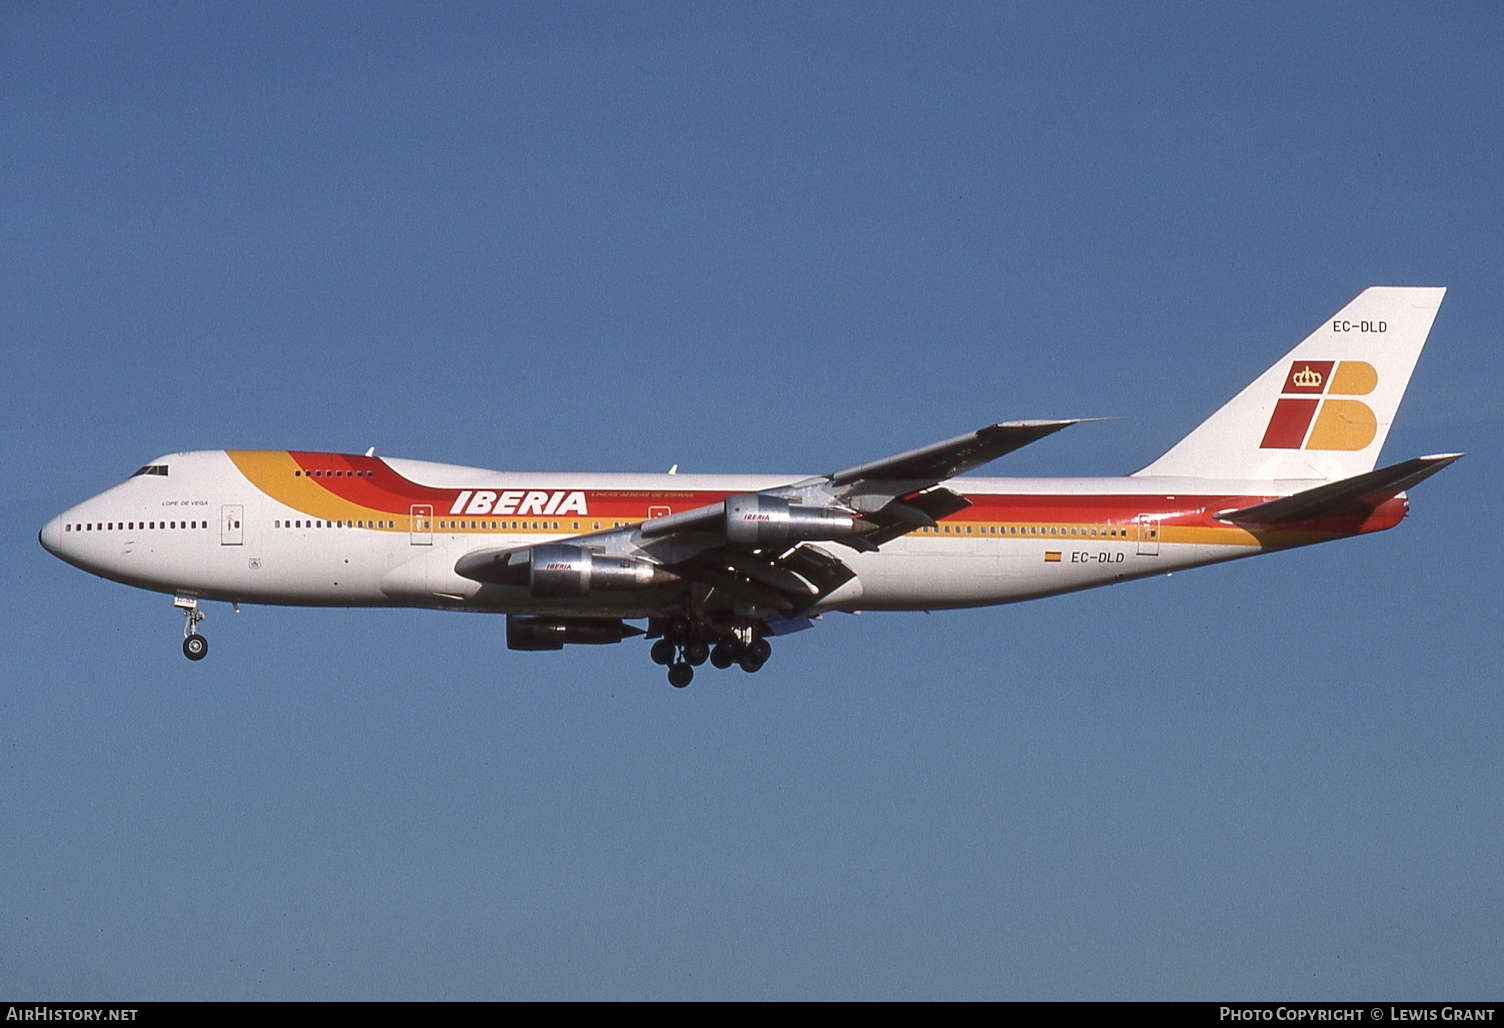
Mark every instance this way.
x=205 y=529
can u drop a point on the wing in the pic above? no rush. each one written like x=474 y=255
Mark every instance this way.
x=938 y=461
x=898 y=494
x=756 y=553
x=878 y=485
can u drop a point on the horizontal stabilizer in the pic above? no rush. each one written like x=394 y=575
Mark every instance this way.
x=1350 y=495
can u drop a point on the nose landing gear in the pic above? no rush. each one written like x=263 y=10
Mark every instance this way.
x=195 y=646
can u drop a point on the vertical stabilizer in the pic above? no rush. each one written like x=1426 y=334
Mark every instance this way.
x=1324 y=410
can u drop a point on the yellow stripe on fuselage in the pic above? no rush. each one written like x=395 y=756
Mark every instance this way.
x=271 y=471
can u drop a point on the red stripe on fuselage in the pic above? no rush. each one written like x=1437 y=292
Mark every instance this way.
x=383 y=489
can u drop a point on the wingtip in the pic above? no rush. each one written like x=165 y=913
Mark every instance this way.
x=1055 y=422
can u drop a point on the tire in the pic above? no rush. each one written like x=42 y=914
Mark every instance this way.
x=760 y=650
x=696 y=652
x=662 y=652
x=195 y=647
x=750 y=664
x=680 y=675
x=722 y=657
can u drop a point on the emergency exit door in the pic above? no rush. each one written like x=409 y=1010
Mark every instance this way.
x=230 y=531
x=422 y=524
x=1148 y=535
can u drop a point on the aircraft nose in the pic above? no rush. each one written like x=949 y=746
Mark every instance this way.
x=51 y=536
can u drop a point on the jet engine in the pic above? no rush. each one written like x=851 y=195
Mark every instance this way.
x=541 y=633
x=562 y=570
x=753 y=519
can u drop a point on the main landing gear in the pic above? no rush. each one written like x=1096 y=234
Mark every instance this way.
x=685 y=646
x=195 y=646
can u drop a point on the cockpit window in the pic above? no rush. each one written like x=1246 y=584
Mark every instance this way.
x=152 y=469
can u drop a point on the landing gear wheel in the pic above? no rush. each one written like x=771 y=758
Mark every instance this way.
x=760 y=651
x=662 y=652
x=696 y=652
x=750 y=664
x=680 y=675
x=677 y=631
x=722 y=656
x=195 y=647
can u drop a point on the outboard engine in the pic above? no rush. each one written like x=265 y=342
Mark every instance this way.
x=753 y=519
x=562 y=570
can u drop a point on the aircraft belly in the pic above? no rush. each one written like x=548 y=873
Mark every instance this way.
x=920 y=575
x=966 y=573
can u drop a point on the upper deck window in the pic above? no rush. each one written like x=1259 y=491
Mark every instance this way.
x=152 y=469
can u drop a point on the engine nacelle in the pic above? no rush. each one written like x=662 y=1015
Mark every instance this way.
x=559 y=569
x=753 y=519
x=542 y=633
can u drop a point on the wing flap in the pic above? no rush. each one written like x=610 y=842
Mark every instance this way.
x=919 y=510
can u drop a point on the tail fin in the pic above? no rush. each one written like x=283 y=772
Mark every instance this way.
x=1324 y=409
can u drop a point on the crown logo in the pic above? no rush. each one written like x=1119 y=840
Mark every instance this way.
x=1306 y=379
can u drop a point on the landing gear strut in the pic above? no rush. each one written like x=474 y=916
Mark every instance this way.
x=684 y=646
x=195 y=646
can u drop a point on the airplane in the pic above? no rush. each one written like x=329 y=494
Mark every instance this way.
x=717 y=565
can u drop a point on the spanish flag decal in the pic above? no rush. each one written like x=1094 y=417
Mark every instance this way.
x=1052 y=556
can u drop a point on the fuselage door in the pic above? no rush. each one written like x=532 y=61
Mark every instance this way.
x=1148 y=535
x=230 y=531
x=422 y=524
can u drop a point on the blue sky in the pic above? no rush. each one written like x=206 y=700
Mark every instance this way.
x=747 y=238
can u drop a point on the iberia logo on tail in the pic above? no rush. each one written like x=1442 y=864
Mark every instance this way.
x=1340 y=424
